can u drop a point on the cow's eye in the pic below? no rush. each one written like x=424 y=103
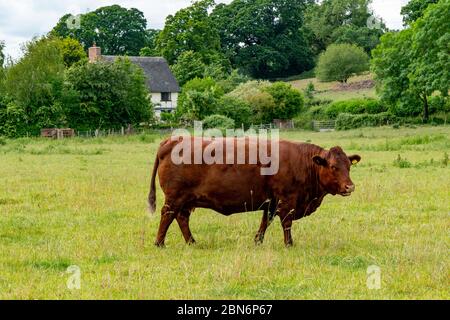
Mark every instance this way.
x=334 y=168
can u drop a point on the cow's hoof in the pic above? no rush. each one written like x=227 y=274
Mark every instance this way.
x=289 y=244
x=160 y=244
x=259 y=240
x=191 y=242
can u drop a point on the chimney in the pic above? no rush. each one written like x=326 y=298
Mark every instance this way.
x=94 y=53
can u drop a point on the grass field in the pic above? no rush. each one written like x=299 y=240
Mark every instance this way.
x=83 y=203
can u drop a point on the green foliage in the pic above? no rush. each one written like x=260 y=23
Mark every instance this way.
x=236 y=109
x=2 y=54
x=430 y=70
x=189 y=66
x=264 y=37
x=355 y=106
x=347 y=121
x=217 y=121
x=150 y=49
x=190 y=29
x=106 y=95
x=414 y=10
x=232 y=81
x=121 y=31
x=309 y=91
x=72 y=51
x=341 y=61
x=340 y=21
x=198 y=99
x=288 y=102
x=411 y=65
x=35 y=84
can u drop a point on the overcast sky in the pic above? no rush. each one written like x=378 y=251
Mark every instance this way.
x=20 y=20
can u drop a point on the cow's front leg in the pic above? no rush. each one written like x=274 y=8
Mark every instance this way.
x=286 y=213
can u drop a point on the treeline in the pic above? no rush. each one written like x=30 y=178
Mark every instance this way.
x=53 y=85
x=222 y=56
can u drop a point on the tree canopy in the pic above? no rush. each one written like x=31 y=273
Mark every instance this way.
x=117 y=30
x=412 y=65
x=341 y=61
x=414 y=10
x=190 y=29
x=264 y=37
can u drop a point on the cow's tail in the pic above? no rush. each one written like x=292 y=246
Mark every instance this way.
x=152 y=194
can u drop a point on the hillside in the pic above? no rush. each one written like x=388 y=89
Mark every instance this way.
x=357 y=87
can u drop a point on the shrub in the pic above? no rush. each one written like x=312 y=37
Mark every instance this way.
x=346 y=121
x=235 y=109
x=355 y=106
x=198 y=99
x=217 y=121
x=289 y=102
x=341 y=61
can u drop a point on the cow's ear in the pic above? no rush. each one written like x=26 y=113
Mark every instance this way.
x=354 y=159
x=320 y=161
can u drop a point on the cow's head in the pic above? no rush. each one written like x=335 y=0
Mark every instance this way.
x=334 y=171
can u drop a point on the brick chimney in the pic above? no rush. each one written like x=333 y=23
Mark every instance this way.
x=94 y=53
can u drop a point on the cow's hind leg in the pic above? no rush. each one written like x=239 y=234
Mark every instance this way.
x=259 y=239
x=183 y=222
x=167 y=217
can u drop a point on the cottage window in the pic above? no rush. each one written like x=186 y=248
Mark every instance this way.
x=166 y=96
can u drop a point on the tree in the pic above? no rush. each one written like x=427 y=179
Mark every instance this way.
x=190 y=29
x=391 y=65
x=106 y=95
x=117 y=30
x=189 y=66
x=35 y=84
x=431 y=50
x=413 y=64
x=414 y=10
x=341 y=61
x=263 y=37
x=2 y=54
x=341 y=21
x=72 y=51
x=150 y=43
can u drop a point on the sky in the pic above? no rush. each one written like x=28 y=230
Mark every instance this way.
x=20 y=20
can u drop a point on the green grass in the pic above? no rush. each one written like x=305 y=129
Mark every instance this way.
x=83 y=202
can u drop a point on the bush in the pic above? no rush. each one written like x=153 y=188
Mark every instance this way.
x=439 y=104
x=341 y=61
x=198 y=99
x=235 y=109
x=355 y=106
x=217 y=121
x=346 y=121
x=289 y=102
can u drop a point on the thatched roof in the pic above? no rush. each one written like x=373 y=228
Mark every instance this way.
x=156 y=69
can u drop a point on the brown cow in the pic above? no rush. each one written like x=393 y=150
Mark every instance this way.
x=307 y=173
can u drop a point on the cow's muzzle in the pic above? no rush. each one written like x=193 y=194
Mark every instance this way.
x=348 y=190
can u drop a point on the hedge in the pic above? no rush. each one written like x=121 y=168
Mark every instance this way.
x=355 y=106
x=346 y=121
